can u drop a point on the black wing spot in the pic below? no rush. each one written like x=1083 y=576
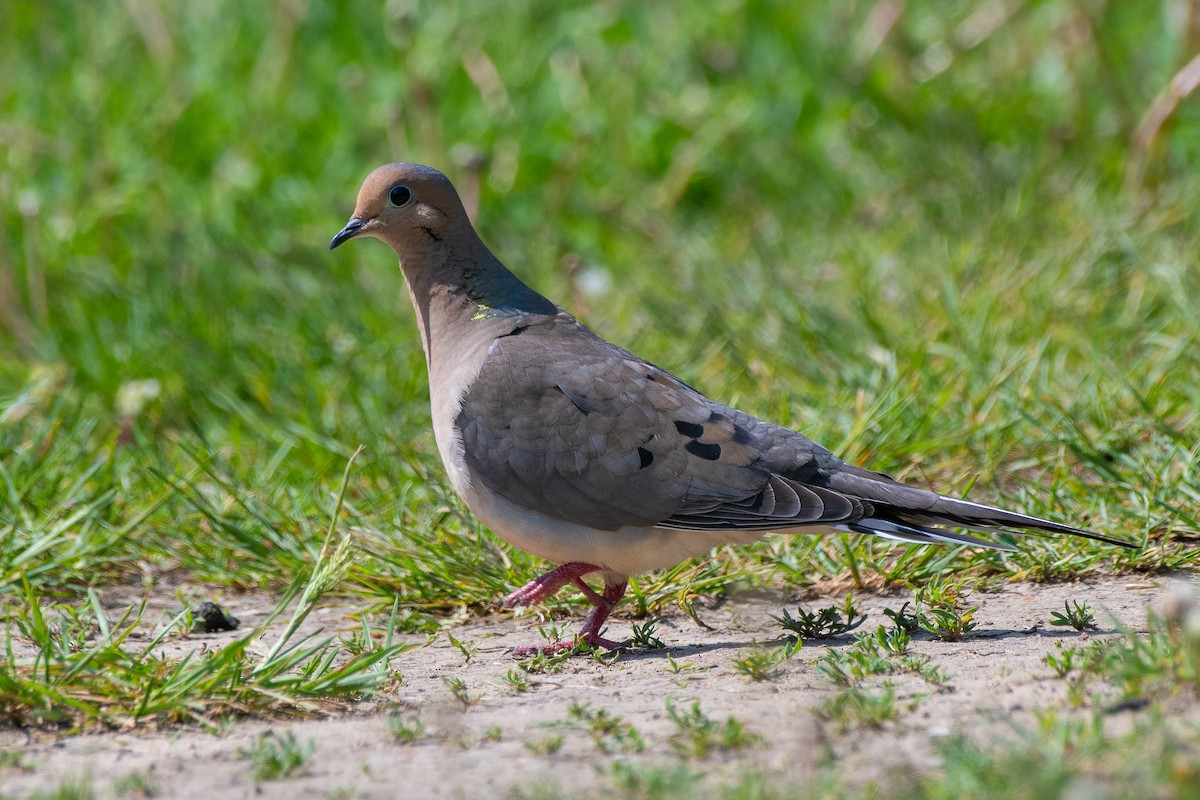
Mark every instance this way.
x=689 y=429
x=710 y=452
x=646 y=458
x=741 y=435
x=716 y=416
x=517 y=331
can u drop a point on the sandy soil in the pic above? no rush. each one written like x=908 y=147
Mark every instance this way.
x=997 y=674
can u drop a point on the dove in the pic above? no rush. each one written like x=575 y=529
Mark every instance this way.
x=583 y=454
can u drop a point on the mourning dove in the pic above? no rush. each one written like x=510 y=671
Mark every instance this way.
x=585 y=455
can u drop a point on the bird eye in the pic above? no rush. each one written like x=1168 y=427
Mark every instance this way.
x=399 y=194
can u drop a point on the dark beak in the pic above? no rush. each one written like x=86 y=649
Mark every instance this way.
x=349 y=232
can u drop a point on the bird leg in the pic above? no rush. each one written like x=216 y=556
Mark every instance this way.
x=546 y=585
x=590 y=635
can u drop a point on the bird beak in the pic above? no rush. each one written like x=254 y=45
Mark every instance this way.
x=352 y=229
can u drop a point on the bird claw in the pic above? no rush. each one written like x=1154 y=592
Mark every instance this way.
x=590 y=642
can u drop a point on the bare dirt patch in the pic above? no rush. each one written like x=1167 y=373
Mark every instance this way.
x=503 y=740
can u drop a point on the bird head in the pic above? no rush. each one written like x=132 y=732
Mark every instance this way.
x=405 y=205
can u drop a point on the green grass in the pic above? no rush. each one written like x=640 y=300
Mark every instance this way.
x=936 y=251
x=274 y=757
x=86 y=672
x=697 y=735
x=1053 y=758
x=1131 y=669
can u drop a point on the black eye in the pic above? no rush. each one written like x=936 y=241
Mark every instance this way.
x=399 y=195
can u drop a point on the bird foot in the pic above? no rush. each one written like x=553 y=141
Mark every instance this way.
x=546 y=585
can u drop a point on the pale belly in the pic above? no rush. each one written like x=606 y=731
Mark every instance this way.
x=624 y=552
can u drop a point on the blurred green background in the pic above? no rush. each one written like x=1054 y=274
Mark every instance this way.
x=927 y=233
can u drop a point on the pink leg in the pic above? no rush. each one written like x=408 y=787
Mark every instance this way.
x=613 y=592
x=545 y=585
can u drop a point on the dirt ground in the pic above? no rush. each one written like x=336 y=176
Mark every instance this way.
x=488 y=749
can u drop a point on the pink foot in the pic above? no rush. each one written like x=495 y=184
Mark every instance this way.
x=554 y=648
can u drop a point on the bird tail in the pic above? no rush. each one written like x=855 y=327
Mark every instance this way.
x=908 y=514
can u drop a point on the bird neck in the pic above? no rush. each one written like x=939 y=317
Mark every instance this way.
x=496 y=293
x=467 y=294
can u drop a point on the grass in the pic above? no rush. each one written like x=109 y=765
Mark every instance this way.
x=825 y=623
x=136 y=784
x=881 y=652
x=856 y=708
x=460 y=692
x=609 y=732
x=947 y=249
x=1076 y=615
x=274 y=757
x=1133 y=668
x=405 y=729
x=698 y=735
x=759 y=663
x=1052 y=758
x=85 y=672
x=68 y=789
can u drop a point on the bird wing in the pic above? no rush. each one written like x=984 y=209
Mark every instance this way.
x=563 y=422
x=566 y=423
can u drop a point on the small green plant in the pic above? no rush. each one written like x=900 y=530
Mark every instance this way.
x=466 y=648
x=1165 y=659
x=895 y=641
x=547 y=746
x=653 y=781
x=136 y=784
x=643 y=636
x=881 y=652
x=1074 y=614
x=854 y=708
x=458 y=688
x=13 y=759
x=840 y=668
x=609 y=732
x=759 y=663
x=551 y=633
x=1065 y=660
x=903 y=619
x=675 y=668
x=515 y=681
x=68 y=789
x=273 y=757
x=601 y=656
x=358 y=641
x=948 y=624
x=824 y=623
x=489 y=735
x=405 y=728
x=541 y=663
x=940 y=611
x=697 y=735
x=921 y=666
x=1079 y=667
x=940 y=592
